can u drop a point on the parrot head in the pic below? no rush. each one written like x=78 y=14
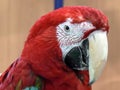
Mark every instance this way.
x=71 y=37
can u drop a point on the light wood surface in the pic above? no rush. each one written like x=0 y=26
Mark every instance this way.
x=17 y=17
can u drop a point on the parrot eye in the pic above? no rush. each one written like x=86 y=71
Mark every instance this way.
x=66 y=28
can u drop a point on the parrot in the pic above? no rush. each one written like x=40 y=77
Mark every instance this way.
x=66 y=49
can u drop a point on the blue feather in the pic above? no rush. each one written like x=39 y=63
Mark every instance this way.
x=31 y=88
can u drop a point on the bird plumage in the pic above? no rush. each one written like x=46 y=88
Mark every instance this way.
x=41 y=60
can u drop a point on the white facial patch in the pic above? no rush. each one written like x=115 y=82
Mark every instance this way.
x=70 y=34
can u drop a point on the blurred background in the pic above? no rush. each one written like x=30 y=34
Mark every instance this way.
x=17 y=17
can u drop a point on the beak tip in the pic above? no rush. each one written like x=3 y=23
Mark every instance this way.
x=91 y=82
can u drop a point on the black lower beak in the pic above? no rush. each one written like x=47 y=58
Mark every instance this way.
x=77 y=57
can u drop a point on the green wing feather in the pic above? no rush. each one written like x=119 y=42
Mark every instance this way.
x=39 y=83
x=37 y=86
x=18 y=85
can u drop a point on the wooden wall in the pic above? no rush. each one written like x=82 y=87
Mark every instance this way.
x=17 y=17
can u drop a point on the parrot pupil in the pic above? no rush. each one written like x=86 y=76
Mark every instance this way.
x=67 y=28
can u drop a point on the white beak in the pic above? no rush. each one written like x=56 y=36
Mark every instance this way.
x=98 y=51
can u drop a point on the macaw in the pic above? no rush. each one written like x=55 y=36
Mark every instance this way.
x=66 y=49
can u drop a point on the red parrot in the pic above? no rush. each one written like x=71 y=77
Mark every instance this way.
x=66 y=49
